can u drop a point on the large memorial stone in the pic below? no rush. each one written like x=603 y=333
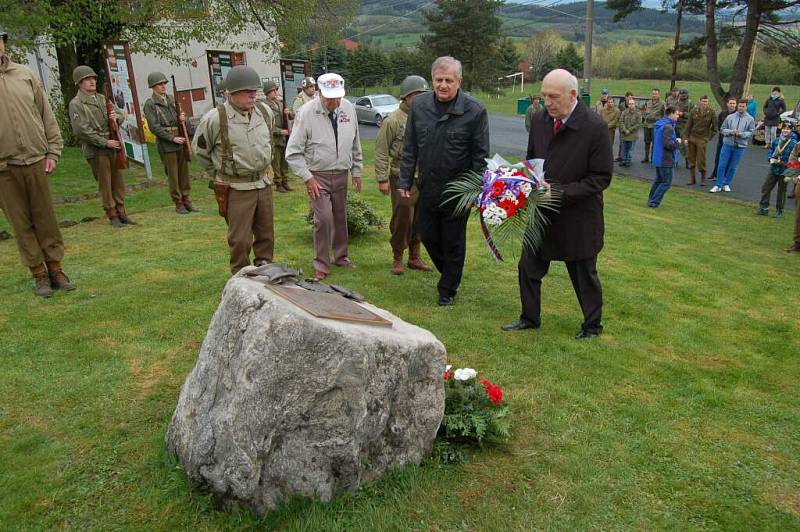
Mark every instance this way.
x=283 y=403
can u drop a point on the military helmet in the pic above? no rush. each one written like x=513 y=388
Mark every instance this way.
x=270 y=86
x=413 y=84
x=684 y=91
x=308 y=81
x=155 y=78
x=242 y=78
x=82 y=72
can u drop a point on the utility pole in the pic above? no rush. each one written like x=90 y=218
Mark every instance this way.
x=587 y=48
x=678 y=17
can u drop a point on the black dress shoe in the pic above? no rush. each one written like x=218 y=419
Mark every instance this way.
x=446 y=301
x=519 y=325
x=587 y=335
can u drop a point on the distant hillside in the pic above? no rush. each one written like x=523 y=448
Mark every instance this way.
x=390 y=23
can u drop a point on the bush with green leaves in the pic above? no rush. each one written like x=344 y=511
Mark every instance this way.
x=360 y=216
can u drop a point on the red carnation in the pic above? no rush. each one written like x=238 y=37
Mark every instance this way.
x=495 y=394
x=447 y=375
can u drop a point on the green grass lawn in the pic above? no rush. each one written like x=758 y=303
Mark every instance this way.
x=683 y=415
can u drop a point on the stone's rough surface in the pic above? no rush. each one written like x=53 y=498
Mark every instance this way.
x=282 y=403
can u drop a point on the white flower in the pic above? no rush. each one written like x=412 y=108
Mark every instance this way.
x=509 y=195
x=494 y=215
x=526 y=188
x=465 y=374
x=447 y=367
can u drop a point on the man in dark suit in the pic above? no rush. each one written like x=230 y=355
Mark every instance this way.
x=576 y=148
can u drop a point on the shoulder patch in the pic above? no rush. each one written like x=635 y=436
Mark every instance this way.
x=201 y=142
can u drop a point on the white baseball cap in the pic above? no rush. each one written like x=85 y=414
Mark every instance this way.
x=331 y=85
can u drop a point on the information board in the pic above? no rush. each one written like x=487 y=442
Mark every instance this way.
x=219 y=63
x=122 y=90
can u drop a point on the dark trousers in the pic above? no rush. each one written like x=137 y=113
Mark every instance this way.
x=766 y=191
x=585 y=282
x=716 y=157
x=648 y=143
x=445 y=238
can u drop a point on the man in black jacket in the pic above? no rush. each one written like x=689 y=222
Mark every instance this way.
x=575 y=145
x=447 y=134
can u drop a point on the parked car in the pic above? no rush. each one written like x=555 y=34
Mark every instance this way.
x=375 y=107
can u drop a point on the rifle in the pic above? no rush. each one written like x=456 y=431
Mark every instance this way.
x=187 y=148
x=114 y=134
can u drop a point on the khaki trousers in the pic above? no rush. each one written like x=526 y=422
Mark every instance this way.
x=26 y=200
x=177 y=168
x=796 y=235
x=696 y=153
x=404 y=226
x=109 y=180
x=279 y=165
x=250 y=226
x=330 y=220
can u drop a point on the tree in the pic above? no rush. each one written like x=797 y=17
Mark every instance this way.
x=508 y=57
x=541 y=50
x=468 y=30
x=568 y=59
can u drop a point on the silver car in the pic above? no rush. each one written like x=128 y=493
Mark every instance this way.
x=375 y=107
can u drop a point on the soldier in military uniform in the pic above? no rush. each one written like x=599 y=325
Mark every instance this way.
x=90 y=117
x=610 y=114
x=280 y=132
x=404 y=226
x=653 y=112
x=673 y=97
x=309 y=88
x=29 y=152
x=701 y=126
x=162 y=118
x=684 y=106
x=233 y=143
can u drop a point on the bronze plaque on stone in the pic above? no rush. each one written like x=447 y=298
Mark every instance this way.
x=331 y=306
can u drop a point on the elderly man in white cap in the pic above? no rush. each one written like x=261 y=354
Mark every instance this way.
x=323 y=148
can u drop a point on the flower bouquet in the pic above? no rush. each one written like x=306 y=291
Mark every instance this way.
x=474 y=409
x=511 y=200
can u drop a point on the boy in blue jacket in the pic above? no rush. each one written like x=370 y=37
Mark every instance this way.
x=779 y=151
x=665 y=154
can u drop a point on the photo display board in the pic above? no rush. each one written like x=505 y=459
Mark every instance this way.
x=122 y=91
x=219 y=63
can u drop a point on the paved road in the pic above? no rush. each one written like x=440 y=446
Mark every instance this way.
x=508 y=137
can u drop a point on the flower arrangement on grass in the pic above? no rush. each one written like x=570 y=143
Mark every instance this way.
x=511 y=200
x=474 y=410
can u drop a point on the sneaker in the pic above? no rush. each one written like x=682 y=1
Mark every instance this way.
x=714 y=189
x=778 y=213
x=762 y=211
x=726 y=188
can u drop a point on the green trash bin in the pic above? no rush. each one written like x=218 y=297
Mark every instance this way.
x=522 y=105
x=586 y=99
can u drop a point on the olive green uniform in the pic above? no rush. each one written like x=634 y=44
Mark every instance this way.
x=89 y=118
x=630 y=121
x=533 y=108
x=611 y=117
x=235 y=147
x=701 y=126
x=653 y=112
x=280 y=168
x=684 y=106
x=162 y=118
x=300 y=100
x=29 y=135
x=404 y=226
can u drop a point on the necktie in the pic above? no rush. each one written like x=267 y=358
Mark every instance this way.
x=332 y=116
x=557 y=126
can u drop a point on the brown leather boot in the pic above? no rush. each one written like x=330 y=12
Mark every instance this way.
x=59 y=279
x=692 y=174
x=113 y=218
x=702 y=178
x=414 y=262
x=123 y=216
x=187 y=202
x=286 y=186
x=180 y=207
x=42 y=287
x=397 y=263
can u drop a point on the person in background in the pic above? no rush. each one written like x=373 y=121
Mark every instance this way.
x=780 y=151
x=684 y=107
x=623 y=104
x=773 y=107
x=730 y=108
x=673 y=97
x=603 y=102
x=630 y=122
x=610 y=115
x=280 y=132
x=653 y=112
x=752 y=106
x=29 y=154
x=700 y=128
x=533 y=108
x=308 y=89
x=665 y=155
x=737 y=130
x=794 y=179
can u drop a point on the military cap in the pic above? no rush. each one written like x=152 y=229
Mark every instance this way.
x=82 y=72
x=308 y=81
x=242 y=78
x=684 y=91
x=270 y=86
x=413 y=84
x=155 y=78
